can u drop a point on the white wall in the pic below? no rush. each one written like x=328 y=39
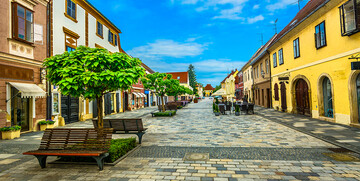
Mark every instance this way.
x=60 y=21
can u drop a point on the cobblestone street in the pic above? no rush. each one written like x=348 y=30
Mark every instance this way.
x=197 y=145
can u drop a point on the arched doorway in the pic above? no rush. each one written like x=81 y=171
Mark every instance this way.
x=302 y=97
x=358 y=95
x=327 y=98
x=283 y=96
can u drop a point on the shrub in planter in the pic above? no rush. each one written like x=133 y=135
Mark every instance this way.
x=46 y=124
x=165 y=114
x=216 y=111
x=118 y=148
x=180 y=107
x=10 y=132
x=216 y=100
x=214 y=107
x=237 y=110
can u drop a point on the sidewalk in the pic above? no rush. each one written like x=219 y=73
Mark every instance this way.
x=334 y=133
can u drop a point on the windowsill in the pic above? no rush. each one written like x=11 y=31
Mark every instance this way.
x=73 y=19
x=296 y=57
x=351 y=32
x=321 y=47
x=22 y=41
x=99 y=36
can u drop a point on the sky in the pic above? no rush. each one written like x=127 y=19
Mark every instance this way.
x=216 y=36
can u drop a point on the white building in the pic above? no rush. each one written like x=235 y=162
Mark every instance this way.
x=74 y=23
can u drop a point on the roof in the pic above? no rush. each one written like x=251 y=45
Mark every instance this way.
x=147 y=68
x=308 y=9
x=262 y=50
x=232 y=73
x=209 y=87
x=183 y=77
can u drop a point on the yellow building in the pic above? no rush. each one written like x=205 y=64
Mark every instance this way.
x=209 y=90
x=230 y=85
x=311 y=62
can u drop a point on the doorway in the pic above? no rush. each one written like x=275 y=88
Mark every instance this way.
x=20 y=110
x=268 y=98
x=283 y=97
x=126 y=100
x=302 y=97
x=70 y=109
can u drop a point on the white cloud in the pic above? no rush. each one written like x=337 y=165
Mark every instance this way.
x=255 y=19
x=256 y=6
x=281 y=4
x=232 y=14
x=217 y=65
x=167 y=48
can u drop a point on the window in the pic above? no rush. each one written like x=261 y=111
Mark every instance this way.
x=71 y=9
x=350 y=17
x=111 y=37
x=296 y=48
x=274 y=60
x=55 y=103
x=69 y=48
x=115 y=37
x=257 y=72
x=320 y=36
x=281 y=57
x=267 y=66
x=99 y=29
x=276 y=92
x=261 y=68
x=23 y=23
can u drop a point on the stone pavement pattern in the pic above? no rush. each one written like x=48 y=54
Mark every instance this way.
x=248 y=147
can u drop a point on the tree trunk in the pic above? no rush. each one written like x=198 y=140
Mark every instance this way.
x=163 y=103
x=100 y=121
x=176 y=98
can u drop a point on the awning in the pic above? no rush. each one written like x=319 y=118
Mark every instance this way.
x=142 y=95
x=220 y=92
x=136 y=94
x=29 y=90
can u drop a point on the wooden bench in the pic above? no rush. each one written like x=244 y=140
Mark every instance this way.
x=124 y=126
x=78 y=142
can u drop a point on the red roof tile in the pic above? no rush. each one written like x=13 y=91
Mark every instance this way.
x=181 y=76
x=209 y=87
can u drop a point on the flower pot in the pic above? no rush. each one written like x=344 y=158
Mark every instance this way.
x=237 y=113
x=44 y=126
x=217 y=113
x=8 y=135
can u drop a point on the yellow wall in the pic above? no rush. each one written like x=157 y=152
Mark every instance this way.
x=331 y=61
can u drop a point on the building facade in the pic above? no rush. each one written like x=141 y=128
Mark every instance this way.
x=261 y=70
x=75 y=23
x=183 y=78
x=248 y=81
x=209 y=90
x=23 y=47
x=311 y=62
x=239 y=86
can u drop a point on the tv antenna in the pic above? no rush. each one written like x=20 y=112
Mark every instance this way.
x=261 y=38
x=275 y=25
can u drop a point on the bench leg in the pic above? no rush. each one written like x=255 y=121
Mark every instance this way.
x=42 y=160
x=140 y=136
x=100 y=160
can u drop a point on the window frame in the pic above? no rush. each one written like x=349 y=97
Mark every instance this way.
x=102 y=29
x=325 y=44
x=296 y=48
x=66 y=12
x=115 y=39
x=281 y=57
x=15 y=23
x=274 y=60
x=342 y=18
x=267 y=66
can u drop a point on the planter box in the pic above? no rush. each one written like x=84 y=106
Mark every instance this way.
x=44 y=126
x=217 y=113
x=237 y=113
x=8 y=135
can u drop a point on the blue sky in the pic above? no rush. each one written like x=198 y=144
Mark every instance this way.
x=215 y=36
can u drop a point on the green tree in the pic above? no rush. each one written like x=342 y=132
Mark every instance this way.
x=93 y=72
x=175 y=89
x=159 y=83
x=218 y=87
x=192 y=76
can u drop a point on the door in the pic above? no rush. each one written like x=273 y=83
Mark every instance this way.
x=283 y=96
x=70 y=109
x=108 y=103
x=302 y=97
x=20 y=110
x=358 y=94
x=262 y=98
x=126 y=100
x=268 y=98
x=117 y=102
x=95 y=111
x=327 y=98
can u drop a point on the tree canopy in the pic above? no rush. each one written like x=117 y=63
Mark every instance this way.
x=192 y=76
x=92 y=72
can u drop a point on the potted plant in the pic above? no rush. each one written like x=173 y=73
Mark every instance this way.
x=237 y=110
x=46 y=124
x=10 y=132
x=216 y=111
x=214 y=105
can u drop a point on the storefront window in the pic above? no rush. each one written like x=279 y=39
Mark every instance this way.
x=20 y=110
x=55 y=103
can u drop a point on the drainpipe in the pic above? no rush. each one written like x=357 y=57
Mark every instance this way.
x=48 y=52
x=271 y=103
